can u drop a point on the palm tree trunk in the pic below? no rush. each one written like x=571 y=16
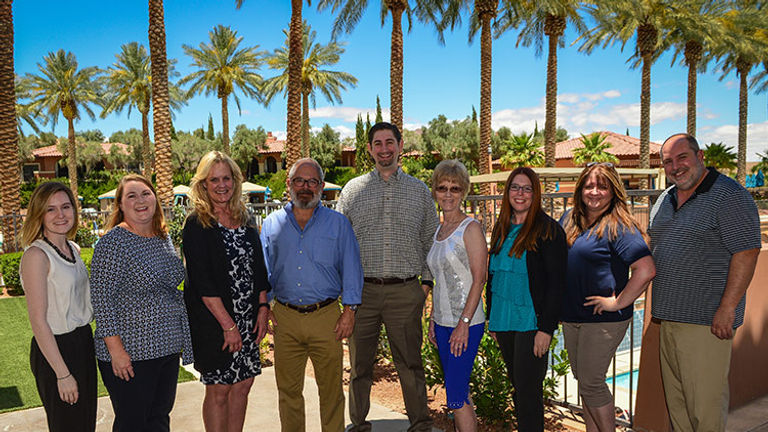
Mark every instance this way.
x=645 y=114
x=9 y=138
x=554 y=27
x=742 y=68
x=486 y=58
x=146 y=153
x=225 y=124
x=692 y=59
x=161 y=114
x=305 y=124
x=72 y=159
x=295 y=55
x=396 y=65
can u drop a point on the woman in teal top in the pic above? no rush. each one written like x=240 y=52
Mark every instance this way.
x=525 y=288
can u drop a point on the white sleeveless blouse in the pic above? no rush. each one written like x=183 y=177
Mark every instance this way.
x=449 y=263
x=69 y=295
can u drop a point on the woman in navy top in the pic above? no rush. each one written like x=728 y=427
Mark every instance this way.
x=524 y=291
x=605 y=243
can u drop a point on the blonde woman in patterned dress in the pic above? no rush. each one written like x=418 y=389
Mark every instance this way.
x=458 y=261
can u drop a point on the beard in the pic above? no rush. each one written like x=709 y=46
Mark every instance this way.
x=299 y=198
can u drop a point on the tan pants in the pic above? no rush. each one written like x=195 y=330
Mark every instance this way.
x=298 y=336
x=694 y=369
x=400 y=308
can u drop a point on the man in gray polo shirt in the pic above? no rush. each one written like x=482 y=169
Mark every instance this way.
x=705 y=239
x=394 y=219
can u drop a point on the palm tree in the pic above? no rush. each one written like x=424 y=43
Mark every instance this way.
x=694 y=25
x=763 y=164
x=161 y=113
x=330 y=83
x=523 y=151
x=24 y=112
x=618 y=21
x=594 y=150
x=744 y=45
x=127 y=83
x=222 y=67
x=63 y=89
x=540 y=18
x=350 y=12
x=719 y=156
x=9 y=137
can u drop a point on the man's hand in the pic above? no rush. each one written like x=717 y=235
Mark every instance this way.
x=431 y=332
x=426 y=288
x=345 y=324
x=722 y=323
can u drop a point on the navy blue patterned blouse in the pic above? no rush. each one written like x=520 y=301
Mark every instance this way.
x=134 y=290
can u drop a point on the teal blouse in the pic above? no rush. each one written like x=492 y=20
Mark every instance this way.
x=512 y=304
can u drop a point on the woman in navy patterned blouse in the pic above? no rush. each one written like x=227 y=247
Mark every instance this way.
x=141 y=322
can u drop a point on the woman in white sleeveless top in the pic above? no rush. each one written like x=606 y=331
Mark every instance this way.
x=55 y=282
x=458 y=262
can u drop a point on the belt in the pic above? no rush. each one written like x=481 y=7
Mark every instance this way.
x=309 y=308
x=388 y=281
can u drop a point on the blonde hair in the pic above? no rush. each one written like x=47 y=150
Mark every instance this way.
x=159 y=227
x=615 y=219
x=200 y=198
x=451 y=170
x=38 y=203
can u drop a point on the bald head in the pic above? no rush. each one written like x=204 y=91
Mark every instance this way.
x=314 y=163
x=690 y=140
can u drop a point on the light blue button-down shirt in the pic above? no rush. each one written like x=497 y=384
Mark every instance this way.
x=310 y=265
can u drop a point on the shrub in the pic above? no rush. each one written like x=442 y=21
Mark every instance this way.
x=85 y=237
x=176 y=224
x=9 y=266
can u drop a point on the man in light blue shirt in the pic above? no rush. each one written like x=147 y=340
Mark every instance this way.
x=313 y=259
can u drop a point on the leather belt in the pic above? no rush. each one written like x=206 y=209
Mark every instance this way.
x=309 y=308
x=388 y=281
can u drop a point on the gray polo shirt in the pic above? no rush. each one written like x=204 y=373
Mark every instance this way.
x=693 y=245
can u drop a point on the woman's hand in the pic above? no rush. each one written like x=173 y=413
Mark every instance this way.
x=493 y=336
x=541 y=343
x=68 y=389
x=601 y=304
x=232 y=340
x=431 y=332
x=260 y=329
x=121 y=364
x=459 y=338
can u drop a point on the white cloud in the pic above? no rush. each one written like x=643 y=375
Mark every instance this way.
x=344 y=132
x=347 y=114
x=281 y=135
x=757 y=137
x=572 y=98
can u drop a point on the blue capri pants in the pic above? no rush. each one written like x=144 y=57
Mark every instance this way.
x=456 y=370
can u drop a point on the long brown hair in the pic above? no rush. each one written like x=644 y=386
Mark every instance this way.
x=158 y=220
x=199 y=196
x=534 y=227
x=33 y=222
x=616 y=217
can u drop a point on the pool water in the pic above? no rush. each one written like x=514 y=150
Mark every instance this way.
x=622 y=380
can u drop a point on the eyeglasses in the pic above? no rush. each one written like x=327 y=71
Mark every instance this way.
x=453 y=189
x=516 y=188
x=605 y=164
x=300 y=182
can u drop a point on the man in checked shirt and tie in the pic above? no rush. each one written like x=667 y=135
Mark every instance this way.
x=394 y=218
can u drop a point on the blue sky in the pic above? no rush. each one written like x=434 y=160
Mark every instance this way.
x=596 y=92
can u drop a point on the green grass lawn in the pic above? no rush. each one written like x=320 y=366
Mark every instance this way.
x=17 y=385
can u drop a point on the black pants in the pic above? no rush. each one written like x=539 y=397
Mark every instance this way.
x=526 y=372
x=76 y=348
x=144 y=403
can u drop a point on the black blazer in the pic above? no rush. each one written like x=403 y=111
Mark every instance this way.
x=207 y=275
x=546 y=277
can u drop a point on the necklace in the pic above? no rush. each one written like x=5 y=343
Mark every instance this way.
x=61 y=254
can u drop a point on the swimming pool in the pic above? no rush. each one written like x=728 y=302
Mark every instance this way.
x=622 y=380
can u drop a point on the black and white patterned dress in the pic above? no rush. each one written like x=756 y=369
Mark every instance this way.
x=245 y=363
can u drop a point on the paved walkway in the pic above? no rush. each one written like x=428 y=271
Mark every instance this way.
x=262 y=413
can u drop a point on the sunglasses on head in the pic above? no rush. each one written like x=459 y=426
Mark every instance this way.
x=605 y=164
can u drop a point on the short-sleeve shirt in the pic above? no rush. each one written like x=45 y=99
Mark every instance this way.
x=600 y=267
x=693 y=245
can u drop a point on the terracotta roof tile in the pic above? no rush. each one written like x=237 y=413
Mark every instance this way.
x=53 y=151
x=621 y=145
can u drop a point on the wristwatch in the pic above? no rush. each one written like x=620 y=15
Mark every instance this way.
x=353 y=307
x=465 y=319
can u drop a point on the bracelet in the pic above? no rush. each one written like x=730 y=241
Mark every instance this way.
x=64 y=377
x=266 y=305
x=234 y=326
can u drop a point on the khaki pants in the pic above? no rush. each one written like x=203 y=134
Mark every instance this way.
x=302 y=335
x=694 y=369
x=399 y=307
